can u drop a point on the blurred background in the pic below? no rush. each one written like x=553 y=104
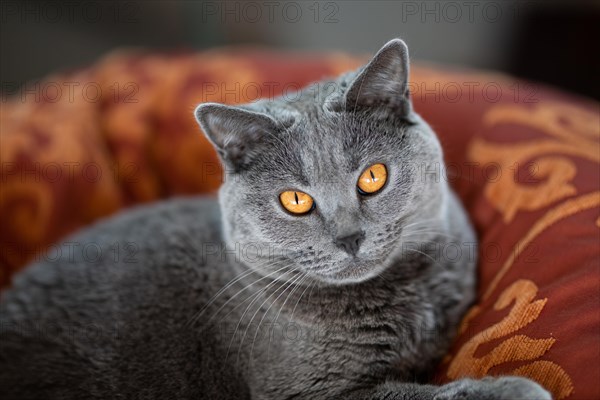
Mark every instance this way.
x=554 y=42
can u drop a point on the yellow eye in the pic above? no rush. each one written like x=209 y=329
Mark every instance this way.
x=372 y=180
x=296 y=202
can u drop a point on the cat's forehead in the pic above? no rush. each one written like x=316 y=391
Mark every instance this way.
x=320 y=145
x=316 y=149
x=327 y=141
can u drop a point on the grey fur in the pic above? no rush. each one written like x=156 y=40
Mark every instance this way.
x=244 y=300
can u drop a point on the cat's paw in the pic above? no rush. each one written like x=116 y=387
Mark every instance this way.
x=501 y=388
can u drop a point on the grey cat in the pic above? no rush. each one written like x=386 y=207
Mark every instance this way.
x=335 y=291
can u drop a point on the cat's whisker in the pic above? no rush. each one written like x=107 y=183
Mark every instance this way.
x=311 y=286
x=245 y=288
x=254 y=297
x=195 y=318
x=304 y=277
x=283 y=289
x=299 y=298
x=253 y=294
x=426 y=255
x=380 y=276
x=246 y=311
x=424 y=232
x=421 y=222
x=297 y=285
x=413 y=235
x=331 y=268
x=292 y=282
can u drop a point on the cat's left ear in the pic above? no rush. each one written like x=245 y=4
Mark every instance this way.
x=237 y=134
x=383 y=82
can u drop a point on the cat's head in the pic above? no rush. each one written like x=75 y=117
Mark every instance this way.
x=329 y=181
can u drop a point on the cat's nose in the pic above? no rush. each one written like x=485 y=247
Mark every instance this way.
x=350 y=243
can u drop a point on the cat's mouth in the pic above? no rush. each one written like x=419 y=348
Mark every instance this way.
x=350 y=270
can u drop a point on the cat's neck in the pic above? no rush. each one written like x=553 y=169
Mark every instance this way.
x=304 y=300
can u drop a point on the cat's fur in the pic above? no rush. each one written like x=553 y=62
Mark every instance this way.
x=298 y=317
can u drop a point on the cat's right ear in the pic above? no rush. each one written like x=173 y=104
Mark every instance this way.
x=236 y=133
x=383 y=82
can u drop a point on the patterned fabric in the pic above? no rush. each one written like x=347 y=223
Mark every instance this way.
x=524 y=160
x=528 y=172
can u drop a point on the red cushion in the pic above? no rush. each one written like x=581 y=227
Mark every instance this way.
x=523 y=158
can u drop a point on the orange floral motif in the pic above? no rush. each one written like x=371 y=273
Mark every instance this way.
x=556 y=214
x=515 y=348
x=573 y=132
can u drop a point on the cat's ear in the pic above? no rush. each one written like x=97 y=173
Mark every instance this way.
x=237 y=134
x=383 y=82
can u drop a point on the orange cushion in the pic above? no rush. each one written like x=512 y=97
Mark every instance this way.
x=523 y=158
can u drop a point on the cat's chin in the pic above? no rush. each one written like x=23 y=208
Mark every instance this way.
x=350 y=273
